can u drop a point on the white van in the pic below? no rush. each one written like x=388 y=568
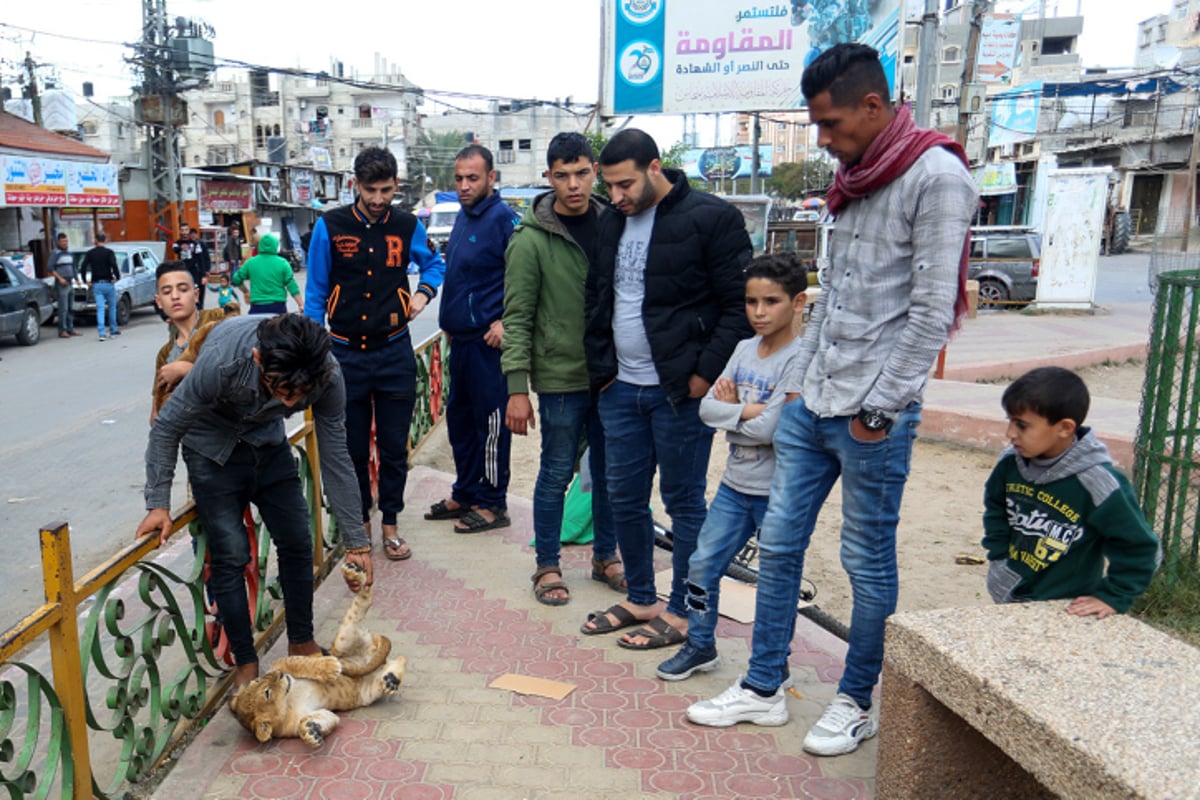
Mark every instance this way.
x=441 y=222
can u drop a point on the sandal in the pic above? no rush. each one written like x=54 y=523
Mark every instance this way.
x=623 y=615
x=616 y=581
x=659 y=632
x=474 y=522
x=540 y=590
x=396 y=549
x=440 y=510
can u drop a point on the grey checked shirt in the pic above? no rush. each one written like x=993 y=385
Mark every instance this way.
x=887 y=296
x=221 y=402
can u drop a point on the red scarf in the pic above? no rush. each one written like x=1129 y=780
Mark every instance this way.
x=888 y=157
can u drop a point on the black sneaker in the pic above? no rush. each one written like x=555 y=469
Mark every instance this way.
x=115 y=333
x=688 y=660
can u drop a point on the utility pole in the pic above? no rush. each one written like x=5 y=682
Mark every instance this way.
x=1190 y=212
x=34 y=98
x=978 y=9
x=755 y=135
x=927 y=65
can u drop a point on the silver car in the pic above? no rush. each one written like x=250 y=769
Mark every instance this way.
x=1005 y=261
x=135 y=288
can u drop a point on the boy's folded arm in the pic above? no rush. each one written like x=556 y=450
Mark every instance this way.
x=1131 y=548
x=720 y=415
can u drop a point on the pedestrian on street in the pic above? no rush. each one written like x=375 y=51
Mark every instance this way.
x=547 y=266
x=62 y=267
x=228 y=416
x=232 y=254
x=470 y=313
x=895 y=288
x=361 y=285
x=100 y=266
x=201 y=263
x=271 y=279
x=665 y=309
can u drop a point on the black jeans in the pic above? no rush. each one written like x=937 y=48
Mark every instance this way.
x=381 y=386
x=267 y=477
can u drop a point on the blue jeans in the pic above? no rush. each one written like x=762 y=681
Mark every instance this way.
x=266 y=476
x=811 y=452
x=106 y=306
x=381 y=385
x=565 y=419
x=642 y=429
x=732 y=519
x=66 y=307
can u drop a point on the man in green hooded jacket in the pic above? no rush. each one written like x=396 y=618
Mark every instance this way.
x=271 y=279
x=546 y=267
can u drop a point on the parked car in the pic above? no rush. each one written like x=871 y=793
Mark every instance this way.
x=24 y=304
x=1005 y=261
x=136 y=286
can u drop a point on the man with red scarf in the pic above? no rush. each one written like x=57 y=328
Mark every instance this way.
x=892 y=293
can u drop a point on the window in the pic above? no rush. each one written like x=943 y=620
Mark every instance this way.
x=1009 y=247
x=218 y=118
x=364 y=111
x=525 y=144
x=949 y=91
x=977 y=248
x=951 y=55
x=89 y=128
x=260 y=139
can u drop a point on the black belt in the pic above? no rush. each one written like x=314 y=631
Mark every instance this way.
x=101 y=281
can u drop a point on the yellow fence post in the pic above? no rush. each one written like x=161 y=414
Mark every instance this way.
x=59 y=584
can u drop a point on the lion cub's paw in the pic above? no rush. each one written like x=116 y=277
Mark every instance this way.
x=353 y=573
x=394 y=675
x=310 y=732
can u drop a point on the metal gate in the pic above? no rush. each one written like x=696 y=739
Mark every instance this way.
x=1167 y=451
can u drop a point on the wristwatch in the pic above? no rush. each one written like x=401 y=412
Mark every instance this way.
x=874 y=420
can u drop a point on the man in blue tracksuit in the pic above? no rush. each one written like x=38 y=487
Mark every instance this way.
x=472 y=305
x=358 y=261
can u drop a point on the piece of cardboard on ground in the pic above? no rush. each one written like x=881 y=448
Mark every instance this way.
x=525 y=684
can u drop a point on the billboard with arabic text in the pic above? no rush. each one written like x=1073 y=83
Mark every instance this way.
x=682 y=57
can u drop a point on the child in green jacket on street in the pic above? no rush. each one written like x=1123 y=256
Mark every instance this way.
x=1055 y=507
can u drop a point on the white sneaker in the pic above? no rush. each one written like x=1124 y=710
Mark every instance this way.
x=737 y=704
x=841 y=728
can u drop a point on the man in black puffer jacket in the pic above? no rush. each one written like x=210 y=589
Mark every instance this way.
x=665 y=308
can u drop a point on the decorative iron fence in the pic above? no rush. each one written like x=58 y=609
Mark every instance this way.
x=1167 y=450
x=118 y=666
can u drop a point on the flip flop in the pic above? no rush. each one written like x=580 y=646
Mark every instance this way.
x=658 y=632
x=623 y=615
x=474 y=522
x=440 y=510
x=392 y=544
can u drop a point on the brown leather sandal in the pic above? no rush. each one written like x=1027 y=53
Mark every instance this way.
x=540 y=590
x=616 y=581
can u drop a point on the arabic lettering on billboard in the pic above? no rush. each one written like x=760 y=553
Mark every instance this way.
x=1015 y=115
x=726 y=163
x=999 y=39
x=677 y=57
x=229 y=197
x=58 y=182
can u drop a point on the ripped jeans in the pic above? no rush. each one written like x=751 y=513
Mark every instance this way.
x=732 y=519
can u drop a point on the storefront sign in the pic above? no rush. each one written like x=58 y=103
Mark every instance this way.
x=229 y=197
x=302 y=186
x=36 y=181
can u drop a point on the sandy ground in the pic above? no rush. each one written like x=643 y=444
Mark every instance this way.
x=940 y=515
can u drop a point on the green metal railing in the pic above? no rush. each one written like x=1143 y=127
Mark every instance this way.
x=117 y=667
x=1167 y=450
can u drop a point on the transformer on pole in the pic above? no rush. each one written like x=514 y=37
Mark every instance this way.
x=171 y=56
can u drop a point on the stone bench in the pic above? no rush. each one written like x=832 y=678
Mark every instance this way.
x=1024 y=701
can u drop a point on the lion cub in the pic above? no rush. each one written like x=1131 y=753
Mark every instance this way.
x=298 y=696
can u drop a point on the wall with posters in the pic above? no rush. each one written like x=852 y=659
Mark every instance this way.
x=681 y=57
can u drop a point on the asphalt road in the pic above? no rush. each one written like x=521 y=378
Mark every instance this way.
x=74 y=414
x=73 y=423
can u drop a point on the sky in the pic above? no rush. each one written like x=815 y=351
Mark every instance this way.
x=544 y=49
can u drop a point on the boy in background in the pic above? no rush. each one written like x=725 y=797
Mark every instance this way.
x=744 y=402
x=1055 y=508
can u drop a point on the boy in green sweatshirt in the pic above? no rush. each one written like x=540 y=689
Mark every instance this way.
x=1055 y=507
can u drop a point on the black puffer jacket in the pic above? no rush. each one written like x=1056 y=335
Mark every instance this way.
x=694 y=307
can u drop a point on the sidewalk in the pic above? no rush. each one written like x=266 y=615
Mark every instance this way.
x=462 y=612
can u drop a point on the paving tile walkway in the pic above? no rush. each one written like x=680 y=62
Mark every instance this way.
x=462 y=612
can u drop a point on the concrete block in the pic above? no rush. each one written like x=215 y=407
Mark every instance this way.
x=1089 y=708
